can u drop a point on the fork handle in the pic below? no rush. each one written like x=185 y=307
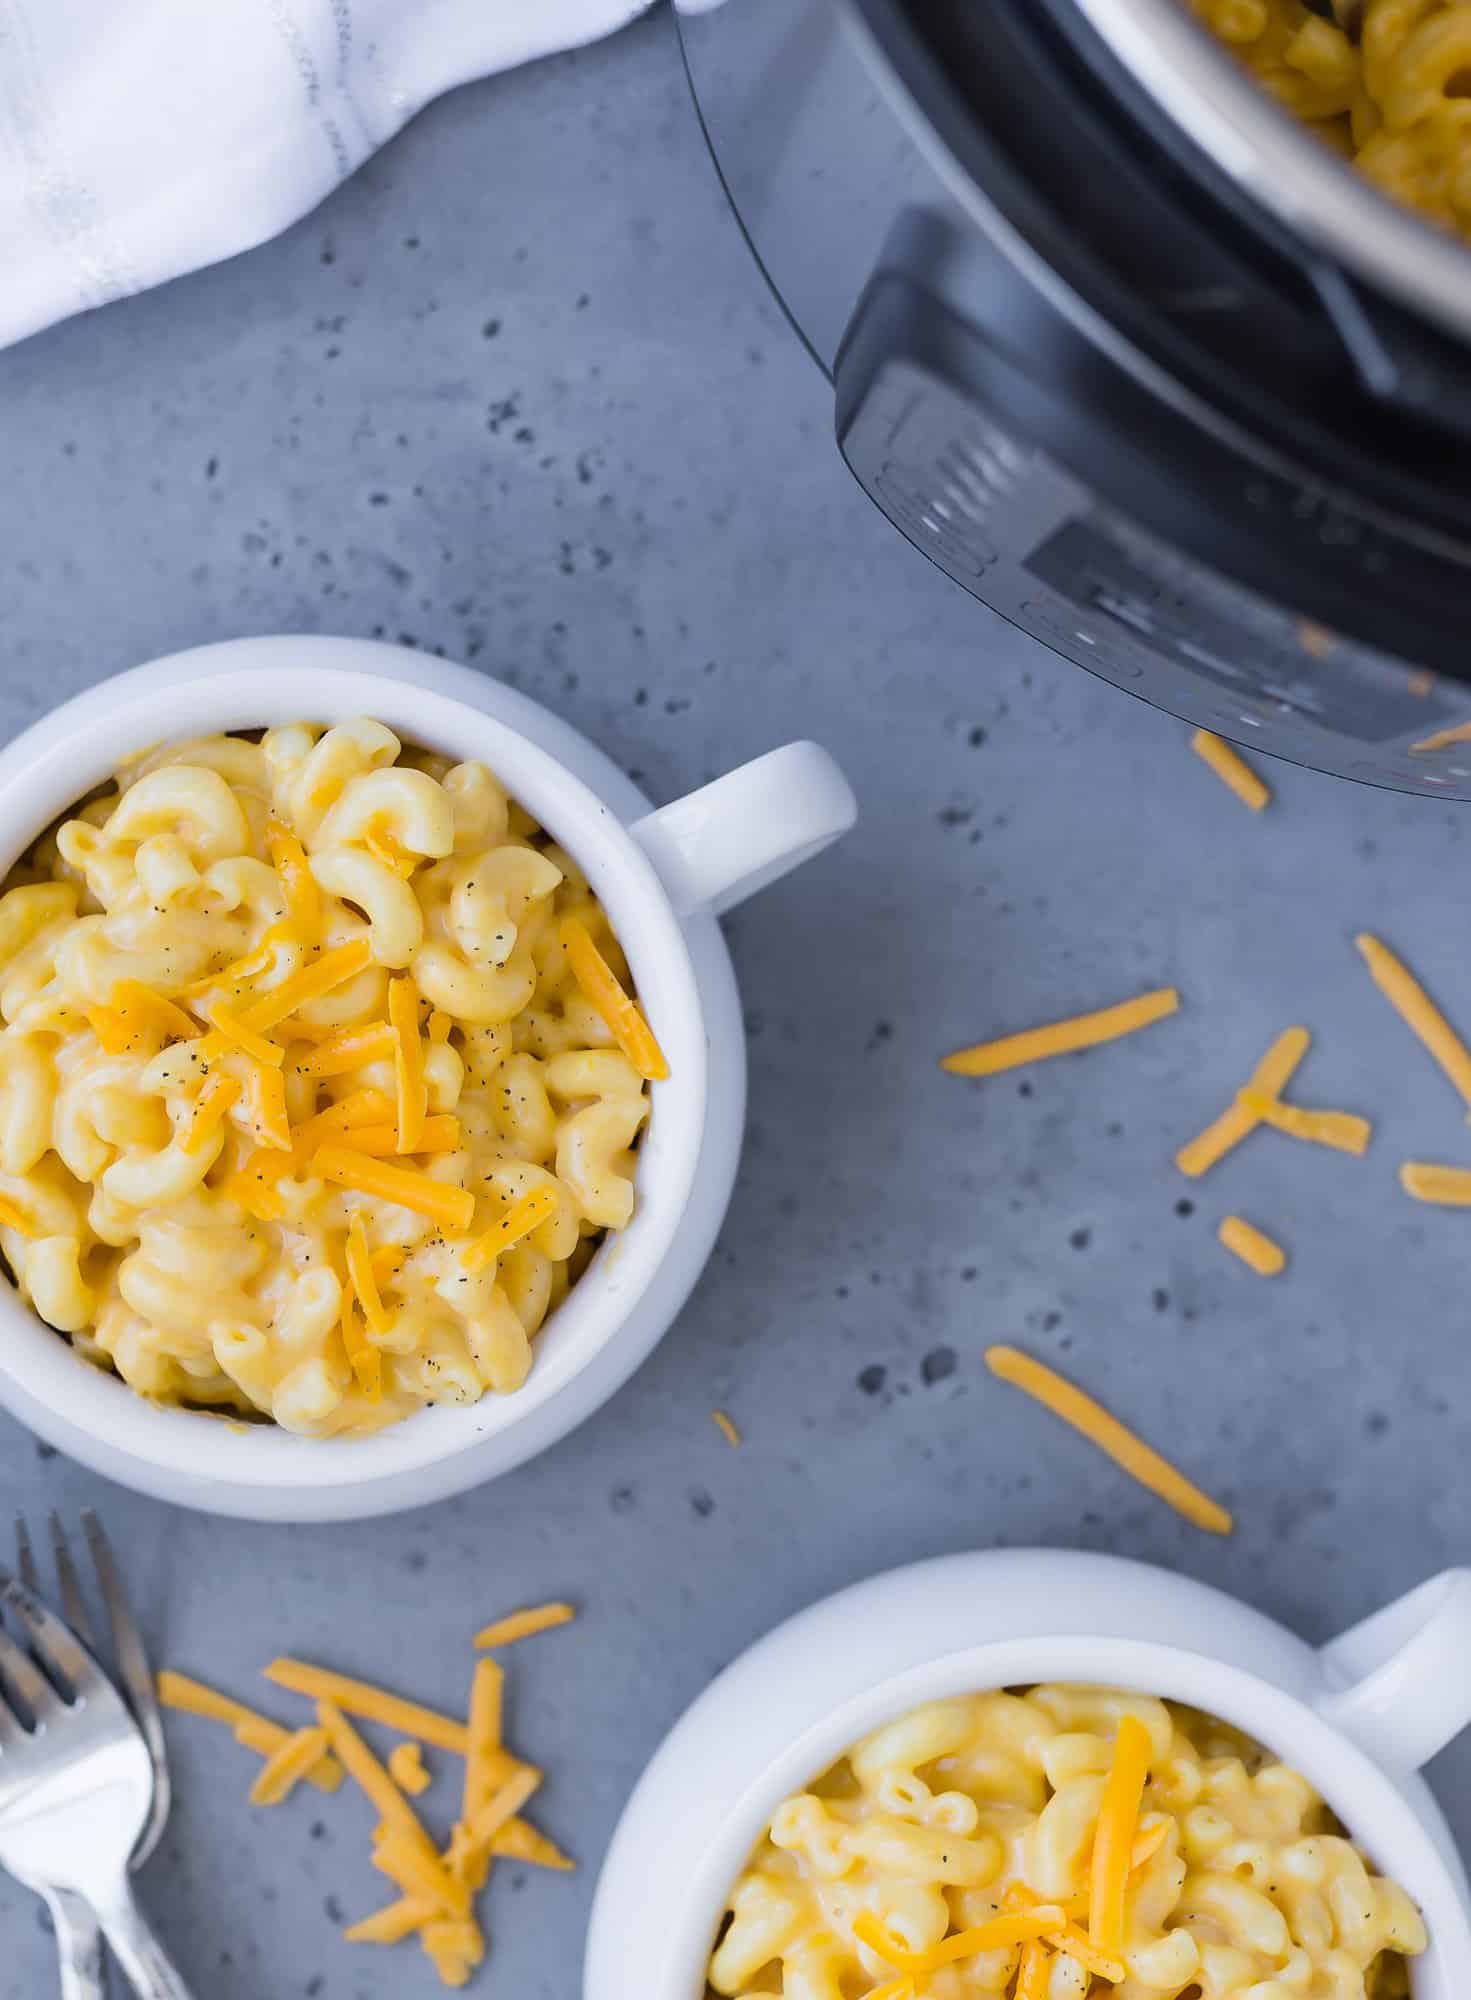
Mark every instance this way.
x=78 y=1946
x=151 y=1973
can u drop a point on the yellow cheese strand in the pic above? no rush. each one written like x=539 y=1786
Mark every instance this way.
x=452 y=1207
x=303 y=898
x=725 y=1427
x=1082 y=1031
x=440 y=1134
x=230 y=1030
x=208 y=1111
x=1418 y=1011
x=1035 y=1972
x=1231 y=768
x=1113 y=1840
x=374 y=1704
x=406 y=1768
x=365 y=1278
x=266 y=1099
x=1344 y=1131
x=1254 y=1249
x=518 y=1222
x=1115 y=1440
x=1016 y=1927
x=1269 y=1079
x=348 y=1049
x=524 y=1625
x=309 y=982
x=363 y=1358
x=1450 y=1187
x=286 y=1767
x=621 y=1012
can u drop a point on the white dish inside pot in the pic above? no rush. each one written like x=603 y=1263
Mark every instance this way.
x=625 y=1301
x=791 y=1706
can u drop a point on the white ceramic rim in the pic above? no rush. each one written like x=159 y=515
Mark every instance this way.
x=1373 y=1807
x=250 y=683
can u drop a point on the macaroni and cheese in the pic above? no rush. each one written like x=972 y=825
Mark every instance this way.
x=1058 y=1843
x=319 y=1081
x=1395 y=96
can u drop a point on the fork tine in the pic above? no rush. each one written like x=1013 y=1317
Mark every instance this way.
x=25 y=1556
x=73 y=1604
x=10 y=1729
x=50 y=1640
x=133 y=1664
x=33 y=1688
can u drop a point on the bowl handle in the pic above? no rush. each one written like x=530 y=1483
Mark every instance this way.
x=719 y=845
x=1400 y=1683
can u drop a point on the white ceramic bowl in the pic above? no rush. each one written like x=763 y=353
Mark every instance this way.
x=660 y=875
x=1359 y=1718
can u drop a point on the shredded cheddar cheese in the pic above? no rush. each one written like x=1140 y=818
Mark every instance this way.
x=286 y=1767
x=406 y=1768
x=1115 y=1440
x=309 y=982
x=1149 y=1843
x=1449 y=1187
x=621 y=1012
x=452 y=1207
x=419 y=1872
x=1114 y=1837
x=1344 y=1131
x=254 y=1731
x=392 y=1924
x=1231 y=768
x=518 y=1222
x=231 y=1031
x=1442 y=739
x=1083 y=1031
x=303 y=898
x=440 y=1025
x=266 y=1102
x=1258 y=1252
x=1014 y=1927
x=133 y=999
x=1033 y=1979
x=1268 y=1080
x=346 y=1049
x=725 y=1427
x=371 y=1778
x=373 y=1704
x=901 y=1988
x=365 y=1278
x=1418 y=1011
x=207 y=1113
x=524 y=1625
x=254 y=1187
x=363 y=1357
x=440 y=1134
x=408 y=1062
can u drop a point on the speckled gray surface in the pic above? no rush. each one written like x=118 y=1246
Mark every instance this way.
x=517 y=394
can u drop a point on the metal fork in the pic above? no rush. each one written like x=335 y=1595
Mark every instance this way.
x=77 y=1783
x=78 y=1935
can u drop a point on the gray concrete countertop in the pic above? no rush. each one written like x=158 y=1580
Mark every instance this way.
x=517 y=394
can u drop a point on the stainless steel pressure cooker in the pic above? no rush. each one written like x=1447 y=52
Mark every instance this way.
x=1132 y=358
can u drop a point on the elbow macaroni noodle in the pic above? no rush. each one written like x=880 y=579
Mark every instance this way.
x=968 y=1807
x=1396 y=101
x=162 y=1199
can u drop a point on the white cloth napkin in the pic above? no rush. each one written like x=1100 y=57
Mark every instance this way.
x=143 y=138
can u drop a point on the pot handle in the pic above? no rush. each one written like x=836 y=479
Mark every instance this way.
x=719 y=845
x=1400 y=1683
